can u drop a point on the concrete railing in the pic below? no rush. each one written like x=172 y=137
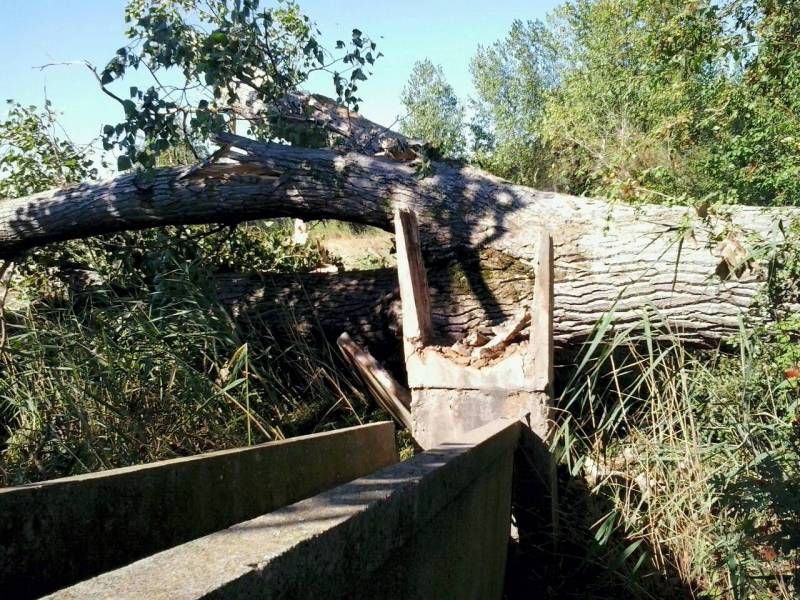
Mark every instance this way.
x=59 y=532
x=435 y=526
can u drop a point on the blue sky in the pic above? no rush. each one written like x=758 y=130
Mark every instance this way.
x=37 y=32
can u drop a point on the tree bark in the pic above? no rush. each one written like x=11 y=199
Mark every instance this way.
x=479 y=234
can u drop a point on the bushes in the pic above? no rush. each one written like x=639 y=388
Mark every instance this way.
x=644 y=100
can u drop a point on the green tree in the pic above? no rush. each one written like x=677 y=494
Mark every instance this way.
x=754 y=141
x=108 y=325
x=513 y=79
x=203 y=55
x=637 y=80
x=435 y=114
x=33 y=157
x=647 y=100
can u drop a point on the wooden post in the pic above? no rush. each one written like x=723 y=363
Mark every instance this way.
x=393 y=397
x=414 y=295
x=541 y=341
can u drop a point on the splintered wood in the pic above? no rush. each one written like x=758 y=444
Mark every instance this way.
x=393 y=397
x=455 y=389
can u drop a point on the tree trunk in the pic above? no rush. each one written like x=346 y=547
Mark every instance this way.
x=367 y=303
x=478 y=234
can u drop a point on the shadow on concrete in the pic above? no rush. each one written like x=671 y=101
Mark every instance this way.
x=345 y=501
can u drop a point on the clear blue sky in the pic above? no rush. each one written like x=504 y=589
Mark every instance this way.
x=36 y=32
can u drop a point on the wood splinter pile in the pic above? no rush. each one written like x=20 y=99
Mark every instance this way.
x=479 y=350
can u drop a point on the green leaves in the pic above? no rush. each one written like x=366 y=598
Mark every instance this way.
x=129 y=107
x=646 y=101
x=223 y=52
x=123 y=163
x=434 y=113
x=218 y=37
x=33 y=158
x=513 y=78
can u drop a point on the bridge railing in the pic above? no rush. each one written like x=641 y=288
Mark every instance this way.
x=435 y=526
x=59 y=532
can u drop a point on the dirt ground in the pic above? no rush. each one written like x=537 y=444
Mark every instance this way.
x=364 y=251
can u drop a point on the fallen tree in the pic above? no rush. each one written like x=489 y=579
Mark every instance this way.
x=478 y=232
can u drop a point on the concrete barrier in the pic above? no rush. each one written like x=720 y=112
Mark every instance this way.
x=59 y=532
x=433 y=527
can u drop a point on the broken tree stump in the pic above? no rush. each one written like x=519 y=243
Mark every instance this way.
x=451 y=394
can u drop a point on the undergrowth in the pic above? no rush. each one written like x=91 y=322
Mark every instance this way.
x=115 y=351
x=679 y=468
x=690 y=461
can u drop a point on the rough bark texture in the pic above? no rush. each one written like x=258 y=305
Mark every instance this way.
x=367 y=303
x=345 y=130
x=478 y=233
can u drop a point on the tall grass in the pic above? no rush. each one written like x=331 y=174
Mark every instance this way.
x=695 y=456
x=141 y=362
x=683 y=466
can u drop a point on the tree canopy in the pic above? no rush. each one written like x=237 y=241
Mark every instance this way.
x=645 y=100
x=434 y=111
x=34 y=157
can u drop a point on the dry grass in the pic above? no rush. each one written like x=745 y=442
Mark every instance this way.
x=356 y=247
x=122 y=374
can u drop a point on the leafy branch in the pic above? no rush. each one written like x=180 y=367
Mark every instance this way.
x=205 y=58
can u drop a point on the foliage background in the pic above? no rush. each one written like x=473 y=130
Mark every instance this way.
x=643 y=100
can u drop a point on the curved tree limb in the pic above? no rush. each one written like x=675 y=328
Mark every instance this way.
x=347 y=130
x=477 y=231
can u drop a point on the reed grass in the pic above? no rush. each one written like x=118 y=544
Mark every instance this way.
x=146 y=364
x=695 y=455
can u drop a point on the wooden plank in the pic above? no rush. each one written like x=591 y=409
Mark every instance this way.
x=393 y=397
x=504 y=335
x=541 y=343
x=414 y=294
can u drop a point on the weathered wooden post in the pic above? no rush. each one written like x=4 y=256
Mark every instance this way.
x=456 y=389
